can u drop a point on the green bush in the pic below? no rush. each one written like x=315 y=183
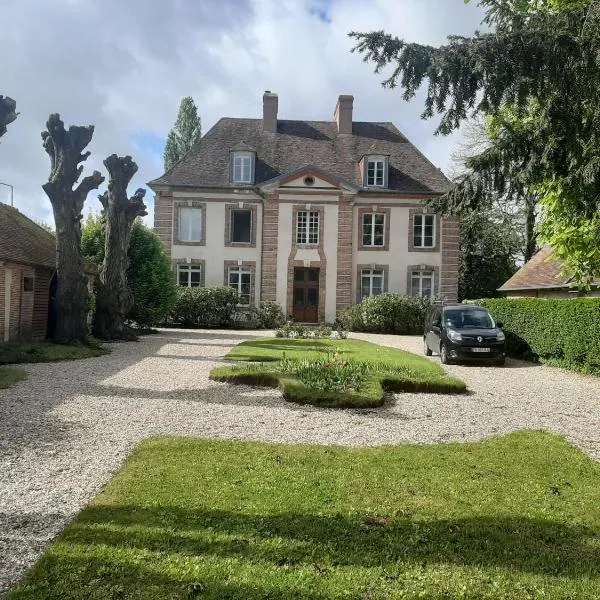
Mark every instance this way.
x=205 y=306
x=301 y=332
x=150 y=276
x=270 y=315
x=387 y=313
x=562 y=332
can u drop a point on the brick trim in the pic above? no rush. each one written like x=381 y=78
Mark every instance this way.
x=163 y=219
x=411 y=225
x=270 y=239
x=377 y=210
x=423 y=267
x=313 y=208
x=314 y=264
x=193 y=262
x=450 y=258
x=359 y=269
x=229 y=208
x=345 y=239
x=177 y=205
x=227 y=264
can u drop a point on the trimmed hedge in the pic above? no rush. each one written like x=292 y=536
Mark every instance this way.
x=561 y=332
x=388 y=313
x=217 y=307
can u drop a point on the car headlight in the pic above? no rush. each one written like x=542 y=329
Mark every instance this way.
x=501 y=337
x=454 y=335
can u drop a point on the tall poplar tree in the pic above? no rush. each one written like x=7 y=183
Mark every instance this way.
x=185 y=134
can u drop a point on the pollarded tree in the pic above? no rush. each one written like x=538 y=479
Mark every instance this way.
x=540 y=62
x=8 y=113
x=149 y=276
x=114 y=299
x=65 y=151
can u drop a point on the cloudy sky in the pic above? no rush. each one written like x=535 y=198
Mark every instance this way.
x=124 y=65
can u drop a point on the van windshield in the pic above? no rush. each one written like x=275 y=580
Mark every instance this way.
x=469 y=319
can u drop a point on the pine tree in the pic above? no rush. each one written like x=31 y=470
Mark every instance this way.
x=185 y=134
x=536 y=70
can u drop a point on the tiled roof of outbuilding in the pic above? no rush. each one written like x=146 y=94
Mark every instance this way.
x=540 y=272
x=299 y=143
x=24 y=241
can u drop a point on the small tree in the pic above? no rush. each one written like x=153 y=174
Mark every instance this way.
x=114 y=300
x=150 y=277
x=65 y=151
x=185 y=135
x=489 y=244
x=7 y=113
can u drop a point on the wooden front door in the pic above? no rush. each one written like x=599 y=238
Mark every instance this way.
x=306 y=295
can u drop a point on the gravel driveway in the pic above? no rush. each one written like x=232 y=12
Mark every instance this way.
x=69 y=426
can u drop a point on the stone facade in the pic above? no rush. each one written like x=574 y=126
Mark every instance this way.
x=274 y=251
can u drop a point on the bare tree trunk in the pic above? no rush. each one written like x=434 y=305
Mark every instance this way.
x=64 y=148
x=7 y=113
x=113 y=299
x=530 y=233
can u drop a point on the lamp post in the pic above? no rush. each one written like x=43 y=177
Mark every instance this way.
x=12 y=191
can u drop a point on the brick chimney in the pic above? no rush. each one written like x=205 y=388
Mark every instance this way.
x=270 y=102
x=343 y=114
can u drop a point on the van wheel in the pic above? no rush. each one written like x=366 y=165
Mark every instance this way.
x=426 y=350
x=444 y=355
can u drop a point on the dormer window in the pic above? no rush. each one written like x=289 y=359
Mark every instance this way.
x=375 y=169
x=242 y=167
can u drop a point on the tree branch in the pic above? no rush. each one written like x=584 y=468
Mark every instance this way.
x=7 y=113
x=89 y=183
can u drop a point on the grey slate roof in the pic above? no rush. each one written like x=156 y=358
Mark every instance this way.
x=299 y=143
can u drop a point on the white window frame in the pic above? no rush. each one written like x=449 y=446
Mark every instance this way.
x=376 y=161
x=372 y=233
x=422 y=275
x=243 y=162
x=185 y=228
x=421 y=227
x=370 y=273
x=308 y=224
x=190 y=269
x=239 y=271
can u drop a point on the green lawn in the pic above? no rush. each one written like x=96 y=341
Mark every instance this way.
x=32 y=352
x=10 y=377
x=393 y=370
x=514 y=517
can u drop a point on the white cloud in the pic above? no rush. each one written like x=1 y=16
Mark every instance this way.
x=124 y=66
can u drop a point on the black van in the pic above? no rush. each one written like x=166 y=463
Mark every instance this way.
x=463 y=332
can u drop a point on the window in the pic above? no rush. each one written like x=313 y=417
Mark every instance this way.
x=241 y=226
x=189 y=275
x=28 y=284
x=421 y=283
x=373 y=228
x=190 y=224
x=307 y=227
x=239 y=280
x=376 y=171
x=424 y=231
x=242 y=167
x=371 y=283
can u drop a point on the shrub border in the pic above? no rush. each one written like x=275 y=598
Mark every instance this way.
x=295 y=391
